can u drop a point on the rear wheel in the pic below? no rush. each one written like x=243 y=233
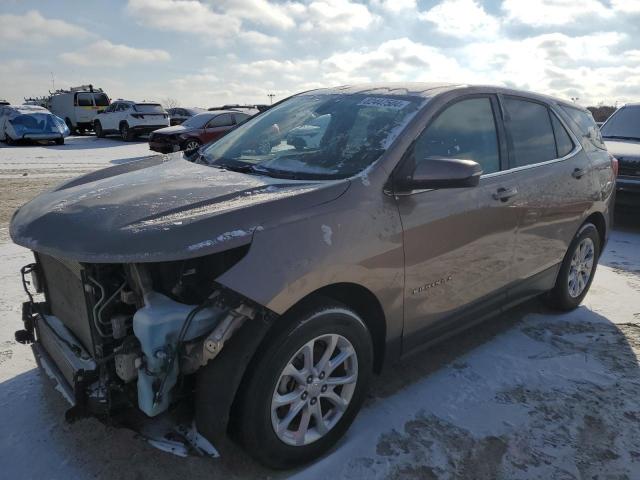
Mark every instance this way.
x=125 y=132
x=306 y=388
x=577 y=270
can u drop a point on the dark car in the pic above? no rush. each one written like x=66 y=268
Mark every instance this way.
x=262 y=286
x=195 y=131
x=179 y=115
x=621 y=133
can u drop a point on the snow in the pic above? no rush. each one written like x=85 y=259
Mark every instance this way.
x=326 y=234
x=529 y=394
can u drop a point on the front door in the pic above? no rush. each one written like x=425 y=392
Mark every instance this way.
x=458 y=242
x=217 y=127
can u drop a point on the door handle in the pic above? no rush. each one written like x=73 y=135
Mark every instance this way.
x=578 y=173
x=504 y=194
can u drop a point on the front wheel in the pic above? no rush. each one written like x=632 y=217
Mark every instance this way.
x=191 y=146
x=97 y=127
x=307 y=387
x=125 y=132
x=577 y=270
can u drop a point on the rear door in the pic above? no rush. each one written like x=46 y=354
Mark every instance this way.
x=554 y=181
x=217 y=127
x=85 y=108
x=458 y=242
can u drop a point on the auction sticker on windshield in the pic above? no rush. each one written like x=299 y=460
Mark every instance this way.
x=383 y=102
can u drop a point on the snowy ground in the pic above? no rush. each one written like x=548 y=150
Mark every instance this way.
x=530 y=394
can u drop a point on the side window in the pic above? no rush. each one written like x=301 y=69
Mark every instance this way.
x=564 y=144
x=223 y=120
x=530 y=128
x=85 y=99
x=466 y=130
x=587 y=124
x=112 y=108
x=240 y=117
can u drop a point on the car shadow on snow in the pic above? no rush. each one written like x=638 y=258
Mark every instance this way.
x=530 y=393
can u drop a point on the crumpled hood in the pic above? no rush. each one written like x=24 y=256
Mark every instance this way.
x=159 y=209
x=175 y=130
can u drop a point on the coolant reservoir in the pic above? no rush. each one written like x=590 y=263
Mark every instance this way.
x=157 y=326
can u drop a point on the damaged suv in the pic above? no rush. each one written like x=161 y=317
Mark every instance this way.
x=257 y=288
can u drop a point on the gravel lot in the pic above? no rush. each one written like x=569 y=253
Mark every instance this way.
x=529 y=394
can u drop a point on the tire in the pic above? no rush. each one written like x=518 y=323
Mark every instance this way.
x=98 y=129
x=577 y=270
x=59 y=141
x=125 y=132
x=191 y=145
x=256 y=418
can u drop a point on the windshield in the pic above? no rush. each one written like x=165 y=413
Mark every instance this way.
x=38 y=123
x=148 y=108
x=197 y=121
x=316 y=136
x=624 y=123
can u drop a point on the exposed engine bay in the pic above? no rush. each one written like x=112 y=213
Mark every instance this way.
x=119 y=337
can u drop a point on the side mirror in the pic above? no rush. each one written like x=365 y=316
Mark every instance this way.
x=438 y=172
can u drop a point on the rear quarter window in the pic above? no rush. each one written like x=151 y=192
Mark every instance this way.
x=563 y=140
x=85 y=100
x=586 y=124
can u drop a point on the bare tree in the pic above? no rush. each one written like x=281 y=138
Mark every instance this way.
x=170 y=103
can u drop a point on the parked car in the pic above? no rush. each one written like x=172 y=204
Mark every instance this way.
x=30 y=123
x=130 y=119
x=621 y=133
x=78 y=106
x=265 y=284
x=196 y=131
x=178 y=115
x=4 y=102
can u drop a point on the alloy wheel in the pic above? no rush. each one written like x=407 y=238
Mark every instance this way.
x=581 y=267
x=314 y=390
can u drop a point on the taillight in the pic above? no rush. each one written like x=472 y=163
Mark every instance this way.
x=614 y=165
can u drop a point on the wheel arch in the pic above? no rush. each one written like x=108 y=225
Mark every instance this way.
x=252 y=339
x=598 y=220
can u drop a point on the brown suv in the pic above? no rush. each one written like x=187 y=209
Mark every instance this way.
x=261 y=285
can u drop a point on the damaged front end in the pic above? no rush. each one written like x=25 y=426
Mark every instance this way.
x=123 y=341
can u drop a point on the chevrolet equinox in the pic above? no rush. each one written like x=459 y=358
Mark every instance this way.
x=253 y=290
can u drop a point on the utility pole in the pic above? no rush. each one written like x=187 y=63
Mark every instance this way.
x=271 y=95
x=575 y=99
x=53 y=82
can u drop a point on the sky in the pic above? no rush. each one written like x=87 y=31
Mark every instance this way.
x=211 y=52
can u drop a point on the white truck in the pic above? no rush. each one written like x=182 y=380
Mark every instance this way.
x=78 y=106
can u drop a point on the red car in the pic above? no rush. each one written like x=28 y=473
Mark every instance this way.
x=196 y=131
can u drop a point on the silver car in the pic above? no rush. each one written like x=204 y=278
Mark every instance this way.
x=260 y=286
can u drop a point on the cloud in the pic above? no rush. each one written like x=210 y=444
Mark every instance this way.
x=336 y=16
x=258 y=39
x=106 y=53
x=540 y=13
x=32 y=27
x=261 y=12
x=395 y=6
x=462 y=19
x=185 y=16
